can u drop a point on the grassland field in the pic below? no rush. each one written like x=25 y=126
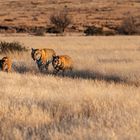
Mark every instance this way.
x=99 y=99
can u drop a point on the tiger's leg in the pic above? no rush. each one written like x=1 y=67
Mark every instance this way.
x=5 y=68
x=41 y=68
x=71 y=69
x=56 y=70
x=2 y=68
x=46 y=66
x=63 y=72
x=9 y=68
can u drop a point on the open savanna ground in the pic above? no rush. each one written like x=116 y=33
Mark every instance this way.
x=99 y=99
x=30 y=13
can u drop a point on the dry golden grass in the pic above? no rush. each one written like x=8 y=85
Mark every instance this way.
x=98 y=100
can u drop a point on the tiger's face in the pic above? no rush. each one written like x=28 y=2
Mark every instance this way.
x=36 y=54
x=1 y=63
x=5 y=64
x=55 y=61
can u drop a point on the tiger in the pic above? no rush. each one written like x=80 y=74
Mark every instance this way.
x=62 y=62
x=5 y=64
x=43 y=57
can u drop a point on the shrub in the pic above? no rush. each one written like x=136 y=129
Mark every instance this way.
x=39 y=31
x=93 y=30
x=21 y=29
x=53 y=30
x=128 y=26
x=60 y=20
x=11 y=47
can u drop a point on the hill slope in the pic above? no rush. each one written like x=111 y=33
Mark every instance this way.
x=29 y=13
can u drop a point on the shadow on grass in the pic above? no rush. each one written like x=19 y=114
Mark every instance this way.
x=92 y=75
x=86 y=74
x=75 y=74
x=22 y=68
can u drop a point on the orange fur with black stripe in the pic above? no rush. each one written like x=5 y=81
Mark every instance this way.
x=62 y=62
x=5 y=64
x=43 y=57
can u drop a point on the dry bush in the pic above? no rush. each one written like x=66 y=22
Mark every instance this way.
x=53 y=30
x=11 y=47
x=129 y=27
x=21 y=29
x=60 y=20
x=93 y=30
x=40 y=31
x=98 y=30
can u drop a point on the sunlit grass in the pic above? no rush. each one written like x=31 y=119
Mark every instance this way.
x=98 y=100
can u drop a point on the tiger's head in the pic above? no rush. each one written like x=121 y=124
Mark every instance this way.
x=36 y=54
x=5 y=64
x=55 y=61
x=1 y=63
